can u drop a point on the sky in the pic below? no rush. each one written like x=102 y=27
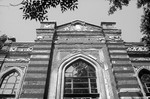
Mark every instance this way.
x=90 y=11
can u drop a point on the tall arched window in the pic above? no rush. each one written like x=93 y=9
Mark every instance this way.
x=80 y=81
x=9 y=83
x=144 y=76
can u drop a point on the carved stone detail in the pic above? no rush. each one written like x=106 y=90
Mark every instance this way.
x=21 y=49
x=18 y=59
x=80 y=27
x=140 y=59
x=137 y=48
x=114 y=38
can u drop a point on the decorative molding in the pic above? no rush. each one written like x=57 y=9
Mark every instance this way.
x=114 y=38
x=138 y=68
x=140 y=59
x=21 y=49
x=18 y=59
x=44 y=37
x=6 y=67
x=137 y=48
x=99 y=39
x=49 y=26
x=79 y=27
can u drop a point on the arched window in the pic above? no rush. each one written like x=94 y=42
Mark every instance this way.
x=80 y=81
x=144 y=76
x=9 y=83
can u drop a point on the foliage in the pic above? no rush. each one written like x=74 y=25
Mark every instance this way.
x=145 y=20
x=3 y=38
x=37 y=9
x=145 y=26
x=117 y=4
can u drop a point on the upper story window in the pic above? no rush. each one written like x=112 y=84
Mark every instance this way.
x=9 y=84
x=144 y=76
x=80 y=81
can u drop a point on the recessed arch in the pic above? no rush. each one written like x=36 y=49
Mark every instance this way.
x=144 y=77
x=10 y=82
x=71 y=58
x=89 y=60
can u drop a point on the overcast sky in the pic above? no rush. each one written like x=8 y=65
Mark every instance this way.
x=90 y=11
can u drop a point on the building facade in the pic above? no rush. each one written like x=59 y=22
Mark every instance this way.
x=76 y=60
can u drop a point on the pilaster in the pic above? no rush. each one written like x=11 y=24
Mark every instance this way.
x=126 y=82
x=37 y=76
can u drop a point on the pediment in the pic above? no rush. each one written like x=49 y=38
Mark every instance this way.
x=78 y=26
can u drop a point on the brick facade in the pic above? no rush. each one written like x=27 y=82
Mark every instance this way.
x=42 y=63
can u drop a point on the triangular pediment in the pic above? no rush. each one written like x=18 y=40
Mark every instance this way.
x=78 y=26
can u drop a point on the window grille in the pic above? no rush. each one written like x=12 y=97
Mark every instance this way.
x=9 y=84
x=80 y=81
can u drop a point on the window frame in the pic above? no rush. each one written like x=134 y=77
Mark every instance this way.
x=89 y=93
x=5 y=74
x=99 y=68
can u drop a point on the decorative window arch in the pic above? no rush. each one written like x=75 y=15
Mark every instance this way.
x=144 y=76
x=80 y=77
x=10 y=82
x=80 y=81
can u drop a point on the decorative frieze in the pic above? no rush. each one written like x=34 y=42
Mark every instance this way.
x=17 y=59
x=140 y=59
x=21 y=49
x=138 y=48
x=79 y=27
x=82 y=40
x=49 y=26
x=114 y=38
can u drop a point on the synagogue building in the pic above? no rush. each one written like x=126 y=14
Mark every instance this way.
x=76 y=60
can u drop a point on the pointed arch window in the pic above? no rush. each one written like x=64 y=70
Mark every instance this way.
x=144 y=76
x=80 y=81
x=9 y=84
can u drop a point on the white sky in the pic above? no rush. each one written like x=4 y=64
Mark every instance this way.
x=90 y=11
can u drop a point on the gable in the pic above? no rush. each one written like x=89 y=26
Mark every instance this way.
x=78 y=26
